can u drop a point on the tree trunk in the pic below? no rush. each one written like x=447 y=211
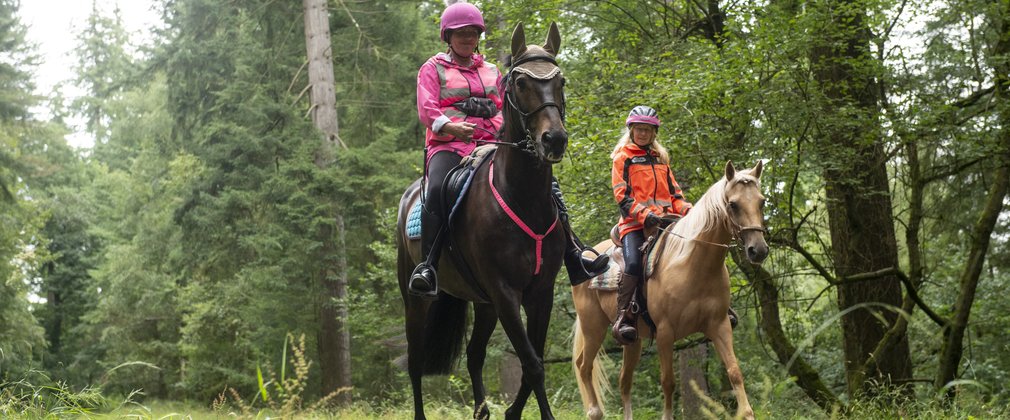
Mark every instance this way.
x=334 y=339
x=953 y=334
x=511 y=372
x=808 y=379
x=859 y=202
x=691 y=368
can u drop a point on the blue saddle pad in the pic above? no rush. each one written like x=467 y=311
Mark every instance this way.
x=414 y=221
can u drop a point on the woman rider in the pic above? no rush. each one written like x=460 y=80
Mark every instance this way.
x=459 y=102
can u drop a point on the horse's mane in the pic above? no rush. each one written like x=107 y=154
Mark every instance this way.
x=710 y=210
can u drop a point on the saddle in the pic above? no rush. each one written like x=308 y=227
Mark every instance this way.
x=608 y=280
x=457 y=183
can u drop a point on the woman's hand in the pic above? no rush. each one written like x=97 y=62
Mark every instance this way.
x=461 y=130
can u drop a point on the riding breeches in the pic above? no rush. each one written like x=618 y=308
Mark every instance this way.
x=438 y=167
x=630 y=243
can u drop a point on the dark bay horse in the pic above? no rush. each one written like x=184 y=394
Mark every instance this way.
x=688 y=292
x=505 y=245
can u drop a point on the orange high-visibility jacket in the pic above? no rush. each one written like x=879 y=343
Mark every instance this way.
x=644 y=185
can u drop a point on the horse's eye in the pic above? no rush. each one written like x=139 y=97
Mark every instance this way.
x=733 y=206
x=521 y=83
x=562 y=82
x=762 y=204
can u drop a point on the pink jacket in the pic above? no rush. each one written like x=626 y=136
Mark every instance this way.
x=440 y=83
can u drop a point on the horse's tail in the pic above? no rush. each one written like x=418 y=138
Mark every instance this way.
x=443 y=334
x=600 y=384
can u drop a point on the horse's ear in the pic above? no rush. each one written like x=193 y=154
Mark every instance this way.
x=518 y=41
x=730 y=170
x=756 y=172
x=553 y=43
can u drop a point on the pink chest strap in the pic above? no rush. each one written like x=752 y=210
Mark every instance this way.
x=538 y=238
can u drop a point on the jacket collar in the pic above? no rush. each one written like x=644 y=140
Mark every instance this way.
x=446 y=60
x=638 y=151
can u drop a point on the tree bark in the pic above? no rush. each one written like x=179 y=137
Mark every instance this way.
x=859 y=202
x=334 y=342
x=691 y=368
x=953 y=334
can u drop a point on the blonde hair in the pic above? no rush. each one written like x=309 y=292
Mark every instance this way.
x=664 y=156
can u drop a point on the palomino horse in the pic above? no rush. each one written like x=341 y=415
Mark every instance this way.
x=688 y=292
x=505 y=247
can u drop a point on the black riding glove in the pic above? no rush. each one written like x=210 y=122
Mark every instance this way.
x=651 y=221
x=663 y=222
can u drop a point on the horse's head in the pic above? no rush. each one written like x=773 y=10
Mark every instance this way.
x=534 y=97
x=745 y=206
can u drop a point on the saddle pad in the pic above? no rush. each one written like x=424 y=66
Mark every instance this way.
x=608 y=280
x=650 y=261
x=414 y=221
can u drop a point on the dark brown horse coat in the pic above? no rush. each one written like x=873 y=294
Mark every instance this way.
x=491 y=260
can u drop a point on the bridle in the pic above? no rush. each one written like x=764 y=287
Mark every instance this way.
x=734 y=237
x=526 y=144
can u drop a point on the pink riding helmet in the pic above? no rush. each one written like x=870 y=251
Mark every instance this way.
x=459 y=15
x=642 y=115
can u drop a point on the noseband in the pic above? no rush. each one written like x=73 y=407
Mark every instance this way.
x=527 y=144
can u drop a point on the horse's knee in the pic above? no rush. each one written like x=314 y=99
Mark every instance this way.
x=534 y=371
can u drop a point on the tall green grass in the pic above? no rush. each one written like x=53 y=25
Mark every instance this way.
x=35 y=395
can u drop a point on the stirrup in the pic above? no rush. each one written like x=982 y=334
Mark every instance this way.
x=426 y=274
x=581 y=269
x=622 y=321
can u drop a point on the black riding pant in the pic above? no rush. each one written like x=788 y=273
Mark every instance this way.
x=438 y=167
x=632 y=255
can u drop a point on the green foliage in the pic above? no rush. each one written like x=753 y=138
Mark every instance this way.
x=181 y=250
x=22 y=248
x=35 y=395
x=286 y=398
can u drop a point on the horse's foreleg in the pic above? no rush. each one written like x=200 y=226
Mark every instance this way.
x=538 y=318
x=664 y=346
x=483 y=325
x=529 y=348
x=632 y=355
x=722 y=339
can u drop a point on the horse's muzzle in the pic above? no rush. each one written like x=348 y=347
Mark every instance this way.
x=554 y=143
x=757 y=253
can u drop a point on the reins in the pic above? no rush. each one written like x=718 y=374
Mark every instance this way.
x=734 y=238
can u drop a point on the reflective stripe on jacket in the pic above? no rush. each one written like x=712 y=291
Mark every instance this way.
x=441 y=83
x=643 y=185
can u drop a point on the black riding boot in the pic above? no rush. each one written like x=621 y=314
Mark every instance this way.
x=579 y=268
x=625 y=329
x=424 y=281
